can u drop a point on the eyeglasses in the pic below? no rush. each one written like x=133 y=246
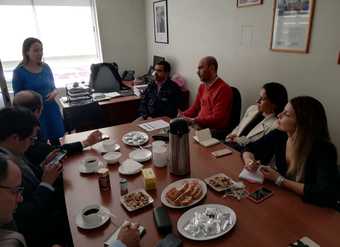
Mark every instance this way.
x=16 y=190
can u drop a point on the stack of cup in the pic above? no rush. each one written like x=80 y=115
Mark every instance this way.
x=159 y=153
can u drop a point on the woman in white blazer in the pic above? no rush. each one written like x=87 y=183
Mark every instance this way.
x=261 y=118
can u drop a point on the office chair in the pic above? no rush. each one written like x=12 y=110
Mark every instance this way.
x=235 y=116
x=105 y=77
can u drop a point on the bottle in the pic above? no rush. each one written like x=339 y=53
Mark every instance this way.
x=104 y=179
x=123 y=186
x=179 y=153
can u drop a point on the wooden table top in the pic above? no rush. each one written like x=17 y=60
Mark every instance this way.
x=277 y=221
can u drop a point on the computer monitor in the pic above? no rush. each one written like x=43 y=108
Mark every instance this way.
x=157 y=59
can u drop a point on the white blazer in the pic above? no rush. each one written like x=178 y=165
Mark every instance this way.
x=268 y=124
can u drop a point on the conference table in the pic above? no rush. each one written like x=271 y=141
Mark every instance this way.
x=278 y=221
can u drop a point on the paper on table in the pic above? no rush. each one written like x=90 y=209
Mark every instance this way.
x=204 y=138
x=255 y=177
x=154 y=125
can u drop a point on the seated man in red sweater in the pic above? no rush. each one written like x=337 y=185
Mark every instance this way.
x=212 y=106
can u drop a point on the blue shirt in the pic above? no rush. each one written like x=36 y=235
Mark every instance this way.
x=51 y=122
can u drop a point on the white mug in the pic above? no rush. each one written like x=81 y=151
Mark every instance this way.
x=109 y=145
x=91 y=214
x=159 y=153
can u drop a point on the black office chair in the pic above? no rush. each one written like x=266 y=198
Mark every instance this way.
x=105 y=78
x=235 y=116
x=85 y=117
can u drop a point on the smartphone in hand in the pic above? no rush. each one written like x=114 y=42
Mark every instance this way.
x=58 y=157
x=260 y=195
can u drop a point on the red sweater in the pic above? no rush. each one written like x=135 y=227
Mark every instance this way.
x=212 y=106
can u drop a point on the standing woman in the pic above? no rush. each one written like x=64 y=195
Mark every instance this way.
x=301 y=151
x=33 y=74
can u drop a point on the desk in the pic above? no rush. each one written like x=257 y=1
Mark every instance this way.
x=277 y=221
x=115 y=111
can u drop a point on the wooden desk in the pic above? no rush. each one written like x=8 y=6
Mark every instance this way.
x=115 y=111
x=277 y=221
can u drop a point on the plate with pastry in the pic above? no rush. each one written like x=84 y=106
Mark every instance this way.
x=184 y=193
x=219 y=182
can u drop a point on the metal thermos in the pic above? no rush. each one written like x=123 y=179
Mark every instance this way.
x=179 y=154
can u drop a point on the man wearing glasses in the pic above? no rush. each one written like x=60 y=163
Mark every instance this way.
x=10 y=197
x=42 y=216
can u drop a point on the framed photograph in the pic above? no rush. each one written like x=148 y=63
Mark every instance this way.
x=160 y=17
x=292 y=25
x=245 y=3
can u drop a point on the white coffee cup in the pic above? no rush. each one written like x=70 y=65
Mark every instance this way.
x=91 y=214
x=109 y=145
x=159 y=153
x=91 y=163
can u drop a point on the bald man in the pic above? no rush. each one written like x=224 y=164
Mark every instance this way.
x=39 y=150
x=212 y=106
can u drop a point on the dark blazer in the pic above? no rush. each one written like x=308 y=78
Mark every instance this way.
x=163 y=103
x=320 y=174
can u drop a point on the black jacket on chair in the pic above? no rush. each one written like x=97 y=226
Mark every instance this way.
x=320 y=174
x=163 y=103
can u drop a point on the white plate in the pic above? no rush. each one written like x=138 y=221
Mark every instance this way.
x=103 y=215
x=218 y=188
x=188 y=215
x=135 y=138
x=122 y=201
x=178 y=184
x=140 y=155
x=100 y=149
x=130 y=167
x=84 y=170
x=112 y=157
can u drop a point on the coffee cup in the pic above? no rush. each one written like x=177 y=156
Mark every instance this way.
x=91 y=163
x=109 y=145
x=91 y=214
x=159 y=153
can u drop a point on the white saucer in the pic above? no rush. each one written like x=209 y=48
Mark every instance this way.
x=140 y=155
x=103 y=215
x=112 y=157
x=84 y=170
x=99 y=148
x=130 y=167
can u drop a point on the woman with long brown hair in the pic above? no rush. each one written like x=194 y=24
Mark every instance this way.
x=304 y=159
x=33 y=74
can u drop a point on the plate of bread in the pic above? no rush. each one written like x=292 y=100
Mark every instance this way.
x=184 y=193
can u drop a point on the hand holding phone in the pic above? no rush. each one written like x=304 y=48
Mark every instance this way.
x=260 y=195
x=56 y=157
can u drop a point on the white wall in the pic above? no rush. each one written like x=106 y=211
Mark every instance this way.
x=239 y=38
x=122 y=33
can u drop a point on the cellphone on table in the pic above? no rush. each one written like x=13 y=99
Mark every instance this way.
x=58 y=157
x=114 y=236
x=221 y=152
x=260 y=195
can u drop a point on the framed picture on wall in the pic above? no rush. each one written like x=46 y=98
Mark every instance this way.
x=160 y=18
x=245 y=3
x=292 y=25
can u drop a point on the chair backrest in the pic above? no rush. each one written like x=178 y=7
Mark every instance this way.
x=235 y=114
x=105 y=78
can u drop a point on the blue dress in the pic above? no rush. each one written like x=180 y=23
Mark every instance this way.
x=51 y=121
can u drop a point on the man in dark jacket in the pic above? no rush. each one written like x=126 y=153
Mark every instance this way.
x=162 y=97
x=39 y=149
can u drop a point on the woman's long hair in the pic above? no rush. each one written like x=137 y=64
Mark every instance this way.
x=26 y=47
x=311 y=127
